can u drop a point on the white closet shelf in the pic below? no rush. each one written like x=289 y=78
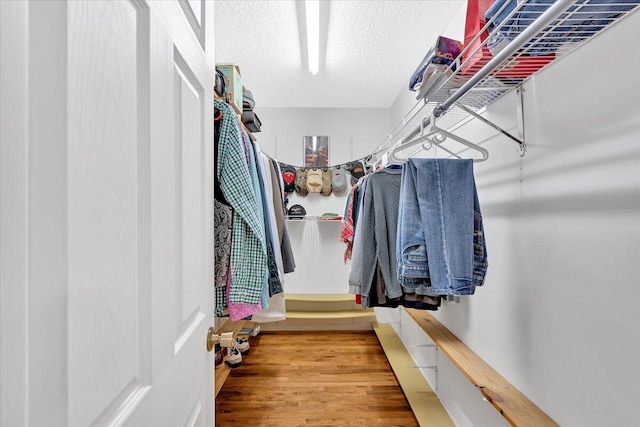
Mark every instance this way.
x=314 y=218
x=536 y=35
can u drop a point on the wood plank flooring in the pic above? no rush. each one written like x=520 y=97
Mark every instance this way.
x=313 y=379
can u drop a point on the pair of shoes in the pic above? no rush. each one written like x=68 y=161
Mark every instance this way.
x=240 y=347
x=255 y=331
x=234 y=358
x=242 y=344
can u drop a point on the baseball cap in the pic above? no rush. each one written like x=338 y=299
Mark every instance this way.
x=297 y=212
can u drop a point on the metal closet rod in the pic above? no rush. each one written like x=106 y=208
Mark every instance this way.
x=536 y=26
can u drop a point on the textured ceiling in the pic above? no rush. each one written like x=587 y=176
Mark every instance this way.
x=372 y=48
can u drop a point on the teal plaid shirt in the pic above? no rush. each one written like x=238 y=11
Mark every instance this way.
x=248 y=249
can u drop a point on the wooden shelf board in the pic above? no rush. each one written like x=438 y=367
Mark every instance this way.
x=342 y=314
x=514 y=406
x=222 y=372
x=424 y=402
x=320 y=297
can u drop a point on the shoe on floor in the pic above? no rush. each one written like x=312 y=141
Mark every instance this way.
x=234 y=358
x=242 y=344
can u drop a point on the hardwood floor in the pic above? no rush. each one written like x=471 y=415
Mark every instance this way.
x=313 y=379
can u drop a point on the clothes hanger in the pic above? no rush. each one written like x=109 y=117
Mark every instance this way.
x=435 y=136
x=218 y=114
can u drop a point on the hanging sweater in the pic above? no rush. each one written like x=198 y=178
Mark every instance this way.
x=379 y=230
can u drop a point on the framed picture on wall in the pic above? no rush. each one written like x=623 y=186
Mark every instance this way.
x=316 y=151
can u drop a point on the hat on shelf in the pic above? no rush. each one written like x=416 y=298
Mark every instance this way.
x=338 y=180
x=314 y=181
x=289 y=178
x=297 y=212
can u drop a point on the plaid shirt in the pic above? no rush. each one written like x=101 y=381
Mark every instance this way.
x=248 y=249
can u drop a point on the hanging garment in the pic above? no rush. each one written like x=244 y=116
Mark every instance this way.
x=288 y=262
x=256 y=179
x=380 y=218
x=273 y=242
x=248 y=245
x=355 y=275
x=440 y=232
x=274 y=308
x=346 y=234
x=222 y=230
x=276 y=196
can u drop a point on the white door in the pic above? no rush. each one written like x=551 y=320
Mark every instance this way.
x=106 y=179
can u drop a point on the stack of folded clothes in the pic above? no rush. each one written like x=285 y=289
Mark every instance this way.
x=249 y=117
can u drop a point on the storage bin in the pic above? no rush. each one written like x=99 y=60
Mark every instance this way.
x=234 y=91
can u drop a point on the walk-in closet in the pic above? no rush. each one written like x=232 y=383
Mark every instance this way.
x=552 y=128
x=319 y=213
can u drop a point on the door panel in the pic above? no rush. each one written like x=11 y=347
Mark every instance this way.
x=103 y=190
x=14 y=164
x=188 y=110
x=119 y=186
x=194 y=13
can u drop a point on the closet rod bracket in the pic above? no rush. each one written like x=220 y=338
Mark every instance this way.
x=490 y=123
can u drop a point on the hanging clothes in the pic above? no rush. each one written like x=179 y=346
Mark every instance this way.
x=248 y=189
x=441 y=247
x=248 y=246
x=380 y=218
x=223 y=220
x=288 y=261
x=355 y=275
x=346 y=234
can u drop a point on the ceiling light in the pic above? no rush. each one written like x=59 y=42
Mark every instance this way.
x=312 y=10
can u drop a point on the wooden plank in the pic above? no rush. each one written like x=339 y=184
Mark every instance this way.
x=292 y=325
x=342 y=314
x=230 y=326
x=320 y=302
x=221 y=374
x=424 y=402
x=320 y=297
x=514 y=406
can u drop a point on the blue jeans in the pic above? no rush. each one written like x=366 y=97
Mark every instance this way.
x=441 y=248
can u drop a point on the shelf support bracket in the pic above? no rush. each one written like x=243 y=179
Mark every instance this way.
x=490 y=123
x=520 y=93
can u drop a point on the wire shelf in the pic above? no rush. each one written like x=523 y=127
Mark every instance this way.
x=510 y=29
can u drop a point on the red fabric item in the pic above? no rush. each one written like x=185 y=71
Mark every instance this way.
x=477 y=57
x=346 y=235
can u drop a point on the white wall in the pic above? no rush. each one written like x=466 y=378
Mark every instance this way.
x=559 y=313
x=353 y=133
